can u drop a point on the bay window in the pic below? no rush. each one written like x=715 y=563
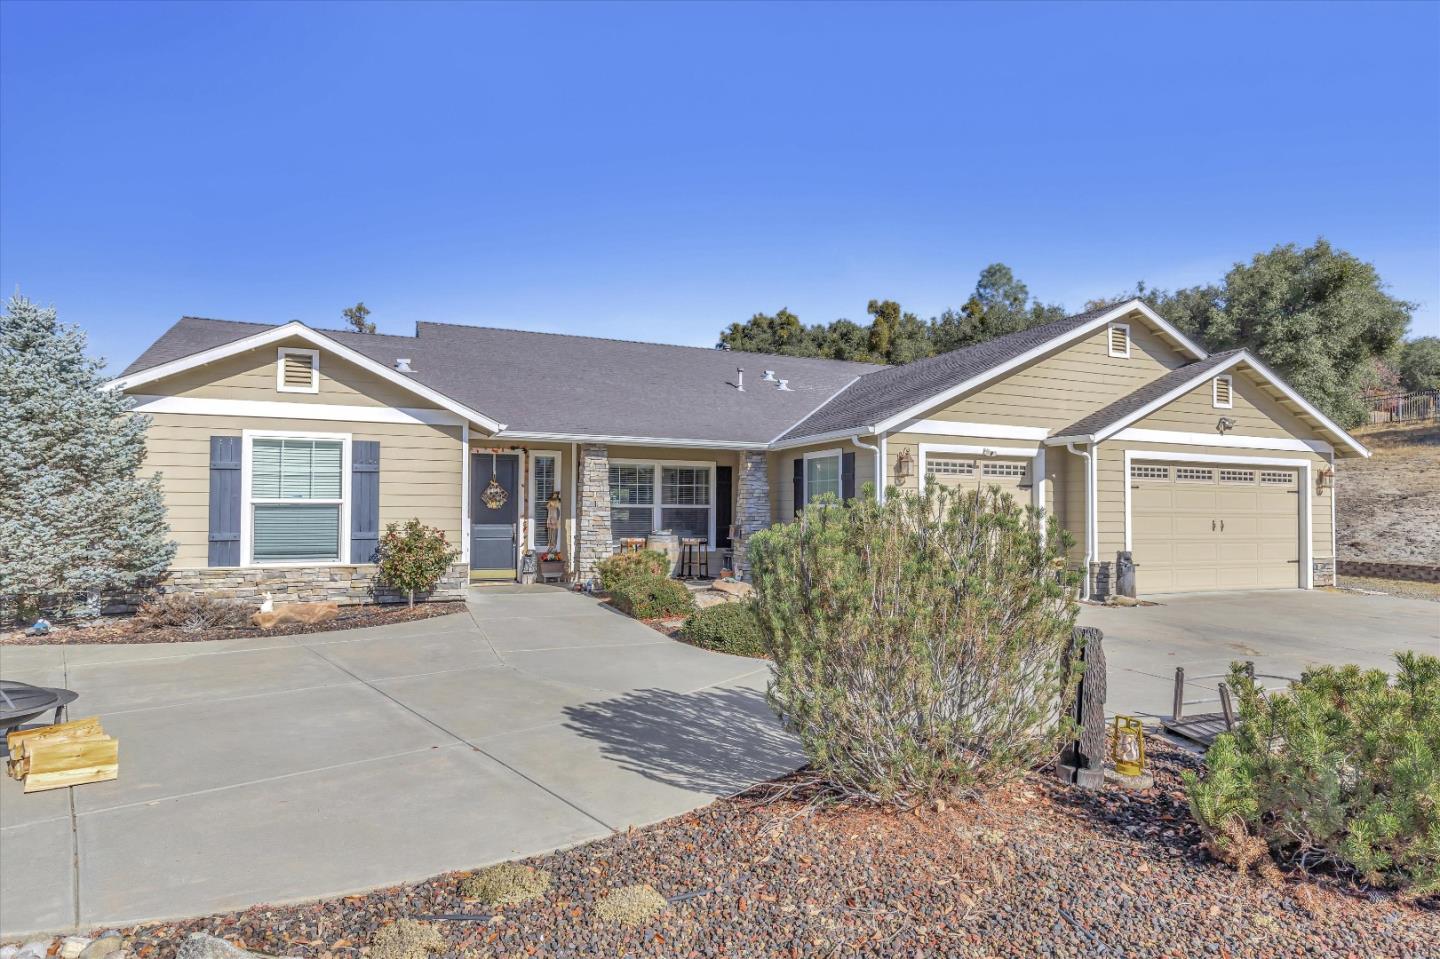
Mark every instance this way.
x=296 y=496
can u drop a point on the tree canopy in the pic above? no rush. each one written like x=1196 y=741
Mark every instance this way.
x=1318 y=316
x=358 y=318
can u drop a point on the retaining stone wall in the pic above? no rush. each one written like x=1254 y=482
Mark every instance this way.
x=304 y=584
x=1416 y=572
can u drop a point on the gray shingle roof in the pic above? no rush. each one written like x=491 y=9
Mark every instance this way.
x=1123 y=407
x=575 y=385
x=893 y=389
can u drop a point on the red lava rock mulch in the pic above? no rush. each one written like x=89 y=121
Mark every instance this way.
x=1032 y=870
x=126 y=629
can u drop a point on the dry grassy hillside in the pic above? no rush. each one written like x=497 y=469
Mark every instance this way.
x=1389 y=505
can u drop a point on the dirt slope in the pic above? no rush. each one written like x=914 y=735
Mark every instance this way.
x=1389 y=505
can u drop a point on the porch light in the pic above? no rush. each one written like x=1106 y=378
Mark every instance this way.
x=1127 y=746
x=904 y=467
x=1325 y=479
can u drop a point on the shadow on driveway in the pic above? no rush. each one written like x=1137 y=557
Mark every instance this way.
x=715 y=741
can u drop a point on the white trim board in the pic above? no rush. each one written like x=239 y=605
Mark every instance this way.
x=1307 y=562
x=1224 y=439
x=299 y=330
x=280 y=409
x=628 y=440
x=995 y=431
x=1103 y=320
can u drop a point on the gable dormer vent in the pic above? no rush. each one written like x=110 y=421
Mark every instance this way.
x=1120 y=340
x=297 y=371
x=402 y=365
x=1224 y=396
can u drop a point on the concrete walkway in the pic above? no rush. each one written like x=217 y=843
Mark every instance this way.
x=283 y=769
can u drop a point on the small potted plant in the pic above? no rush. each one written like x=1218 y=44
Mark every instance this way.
x=552 y=566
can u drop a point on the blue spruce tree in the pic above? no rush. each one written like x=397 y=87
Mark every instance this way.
x=75 y=515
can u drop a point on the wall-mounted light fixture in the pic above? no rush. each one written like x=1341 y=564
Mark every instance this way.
x=904 y=466
x=1324 y=479
x=1225 y=425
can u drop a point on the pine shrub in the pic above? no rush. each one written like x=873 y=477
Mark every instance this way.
x=623 y=568
x=917 y=643
x=652 y=597
x=1341 y=772
x=727 y=628
x=414 y=557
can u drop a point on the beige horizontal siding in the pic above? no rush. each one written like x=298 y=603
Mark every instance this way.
x=1255 y=412
x=420 y=471
x=251 y=376
x=1058 y=389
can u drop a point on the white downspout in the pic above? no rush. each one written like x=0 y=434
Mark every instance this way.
x=1089 y=520
x=879 y=465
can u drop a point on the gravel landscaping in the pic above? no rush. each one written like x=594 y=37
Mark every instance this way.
x=129 y=629
x=1035 y=870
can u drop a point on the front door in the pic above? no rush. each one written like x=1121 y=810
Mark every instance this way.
x=494 y=530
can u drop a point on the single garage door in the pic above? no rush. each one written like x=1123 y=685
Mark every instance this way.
x=974 y=472
x=1199 y=527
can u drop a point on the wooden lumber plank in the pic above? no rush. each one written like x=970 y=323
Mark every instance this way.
x=86 y=726
x=57 y=764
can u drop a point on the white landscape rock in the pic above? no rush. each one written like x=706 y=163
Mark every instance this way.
x=73 y=946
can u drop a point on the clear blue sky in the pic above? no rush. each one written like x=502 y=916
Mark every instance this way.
x=658 y=171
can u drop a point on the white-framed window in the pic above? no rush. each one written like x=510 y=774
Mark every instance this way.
x=672 y=495
x=544 y=480
x=297 y=370
x=295 y=498
x=1118 y=340
x=822 y=475
x=1222 y=392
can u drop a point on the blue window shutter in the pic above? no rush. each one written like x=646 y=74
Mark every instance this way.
x=847 y=476
x=224 y=501
x=364 y=500
x=799 y=485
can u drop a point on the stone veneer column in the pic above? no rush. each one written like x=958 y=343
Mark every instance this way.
x=594 y=520
x=752 y=506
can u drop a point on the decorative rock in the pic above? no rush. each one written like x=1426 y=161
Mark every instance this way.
x=1138 y=783
x=108 y=943
x=9 y=952
x=35 y=949
x=199 y=945
x=72 y=946
x=734 y=587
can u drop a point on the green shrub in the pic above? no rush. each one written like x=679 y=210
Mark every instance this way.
x=652 y=598
x=917 y=643
x=625 y=567
x=1343 y=772
x=727 y=628
x=414 y=557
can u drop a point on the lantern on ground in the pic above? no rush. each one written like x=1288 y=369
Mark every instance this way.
x=1127 y=746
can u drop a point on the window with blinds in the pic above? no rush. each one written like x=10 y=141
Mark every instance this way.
x=544 y=470
x=632 y=501
x=296 y=494
x=685 y=500
x=1119 y=340
x=298 y=371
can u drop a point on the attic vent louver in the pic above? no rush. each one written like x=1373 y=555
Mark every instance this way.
x=403 y=365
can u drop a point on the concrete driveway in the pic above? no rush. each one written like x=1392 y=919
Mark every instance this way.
x=272 y=770
x=1282 y=631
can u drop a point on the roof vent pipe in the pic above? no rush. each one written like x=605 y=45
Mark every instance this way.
x=785 y=387
x=403 y=365
x=740 y=378
x=769 y=376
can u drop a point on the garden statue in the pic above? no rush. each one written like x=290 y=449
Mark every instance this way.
x=553 y=522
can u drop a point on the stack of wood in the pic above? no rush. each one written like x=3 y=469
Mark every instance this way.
x=66 y=754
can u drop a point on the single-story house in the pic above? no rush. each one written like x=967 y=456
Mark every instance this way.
x=284 y=450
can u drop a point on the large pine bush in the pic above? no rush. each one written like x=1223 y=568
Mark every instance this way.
x=917 y=644
x=1342 y=772
x=75 y=516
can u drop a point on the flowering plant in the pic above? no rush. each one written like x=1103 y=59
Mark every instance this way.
x=552 y=556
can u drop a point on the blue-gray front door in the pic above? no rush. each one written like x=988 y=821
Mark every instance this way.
x=494 y=532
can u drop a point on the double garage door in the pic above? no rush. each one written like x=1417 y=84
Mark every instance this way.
x=1199 y=527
